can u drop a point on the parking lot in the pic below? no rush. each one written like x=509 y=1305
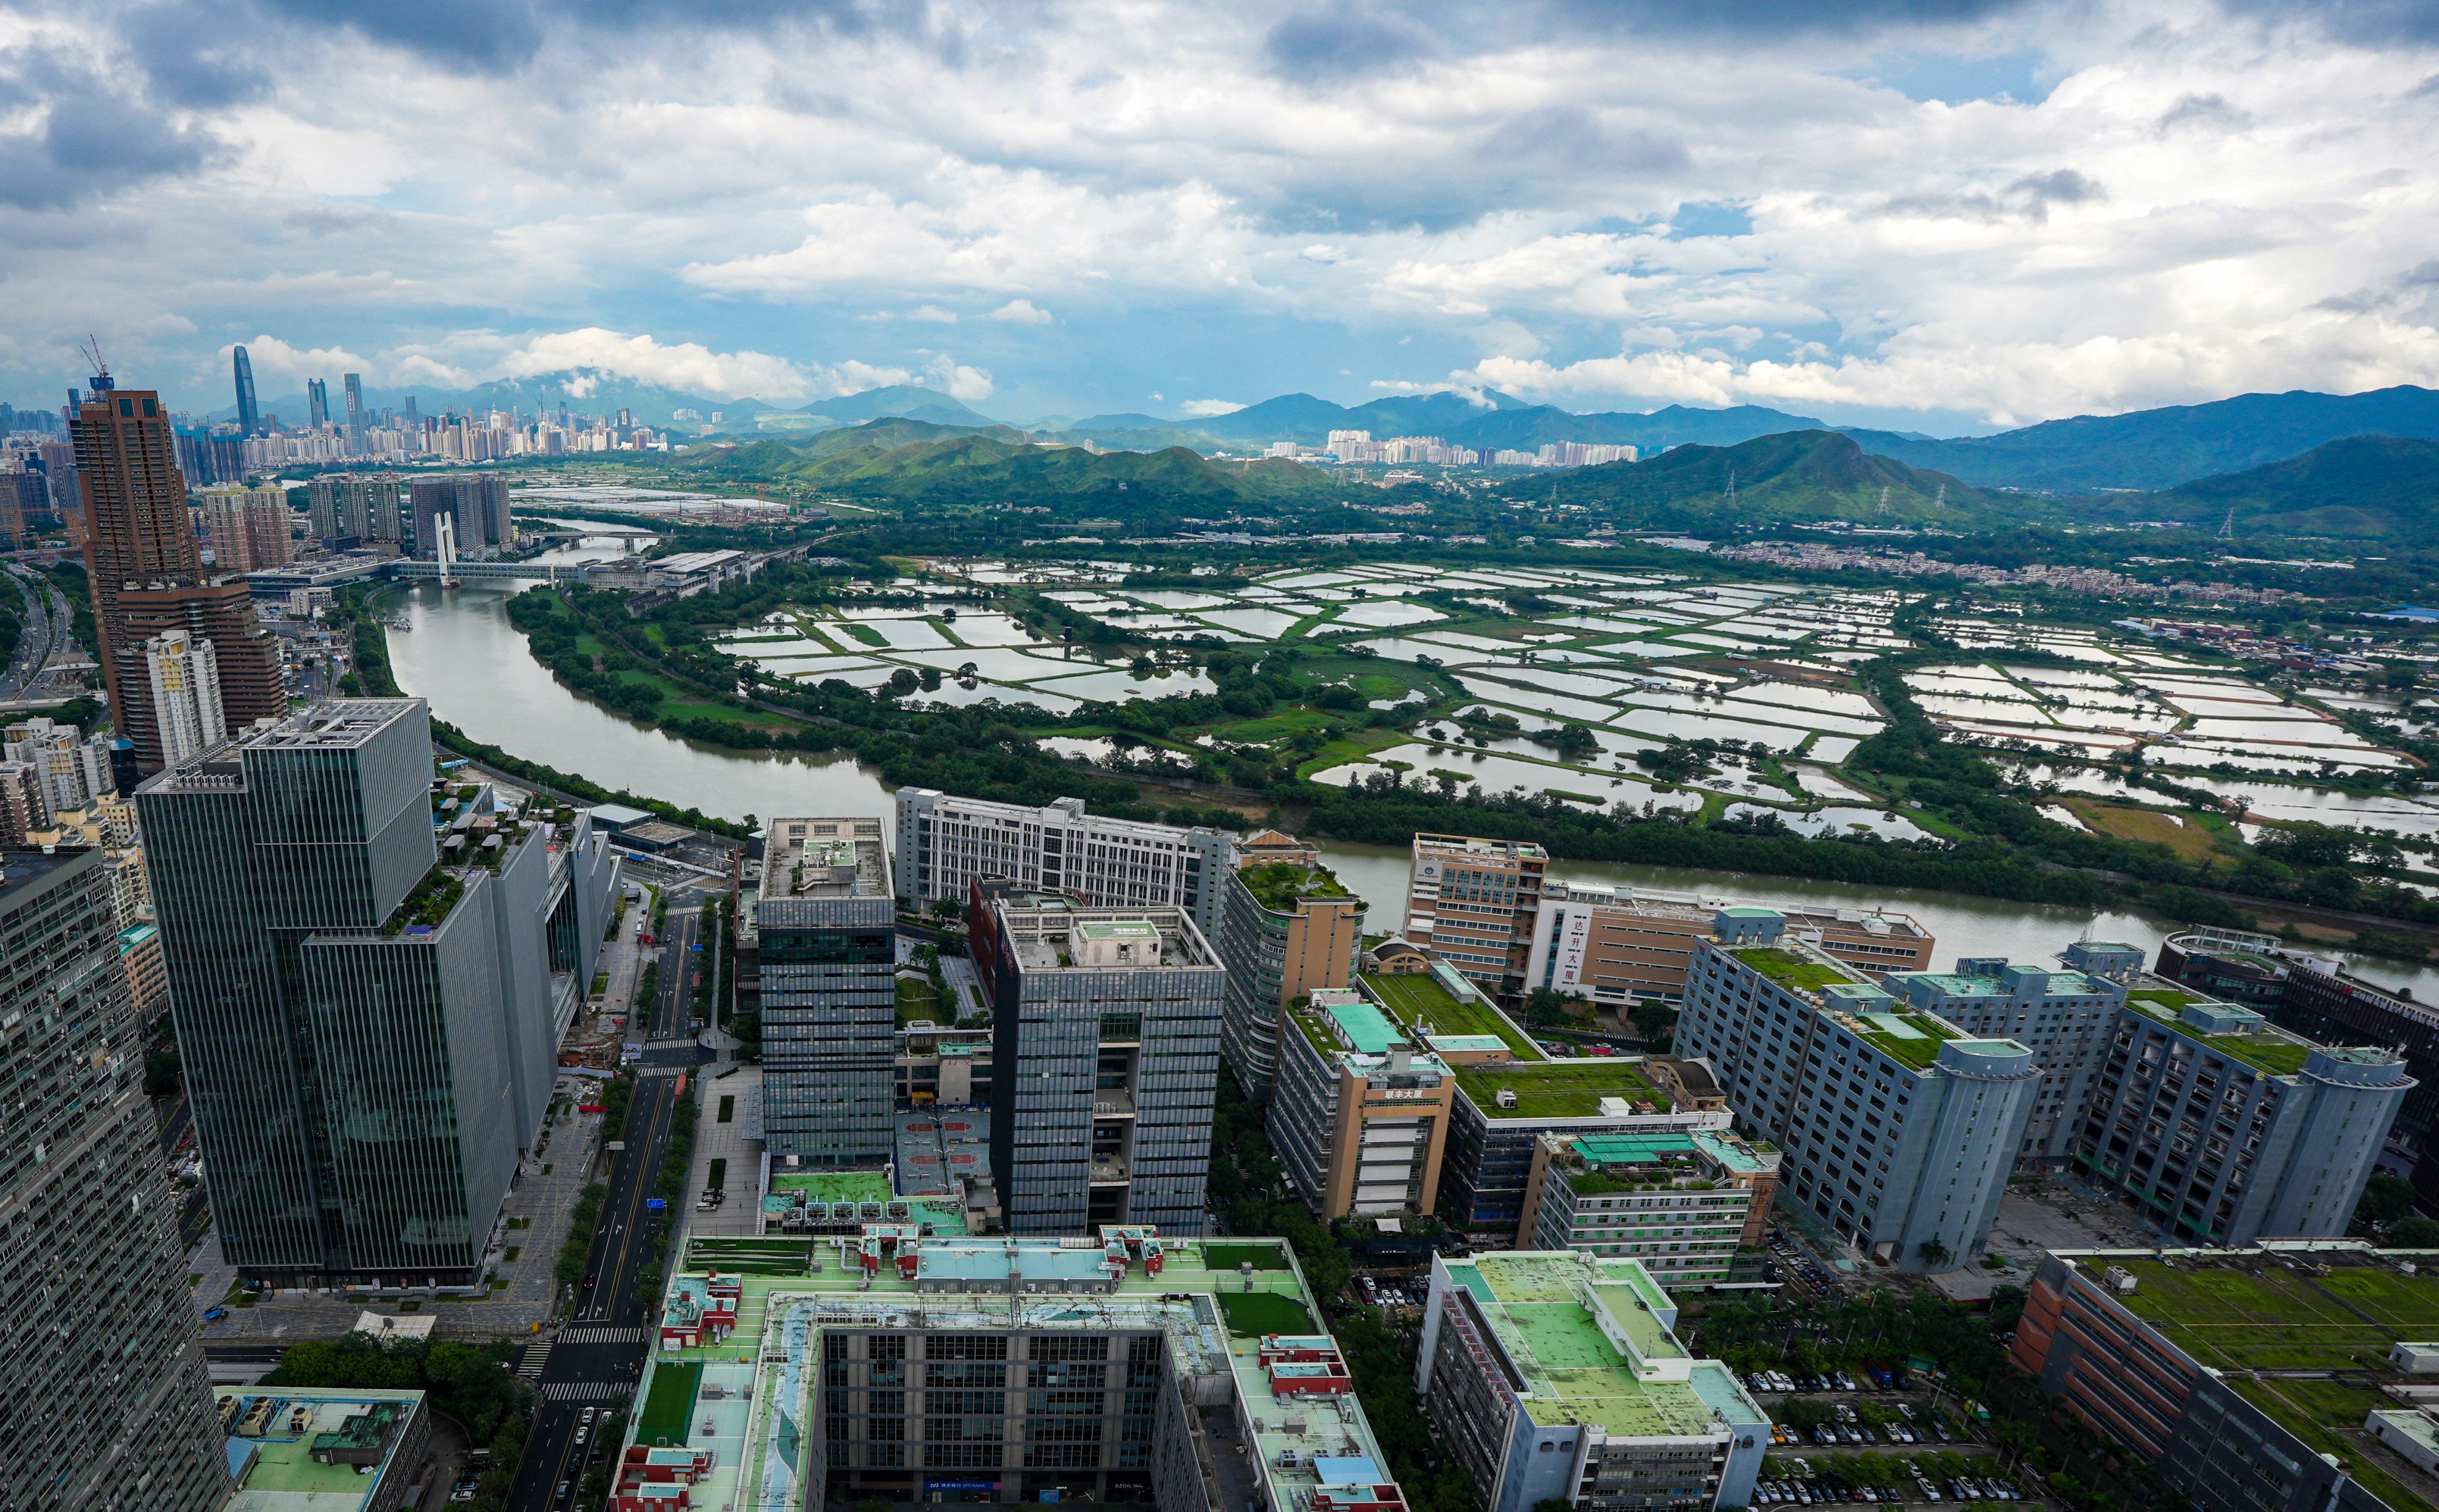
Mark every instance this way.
x=1875 y=1437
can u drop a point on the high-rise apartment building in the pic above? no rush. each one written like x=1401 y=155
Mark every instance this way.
x=249 y=413
x=824 y=942
x=147 y=573
x=107 y=1405
x=946 y=845
x=1288 y=927
x=1899 y=1129
x=1106 y=1054
x=22 y=807
x=185 y=695
x=354 y=507
x=1473 y=904
x=1621 y=945
x=476 y=503
x=248 y=526
x=368 y=1019
x=70 y=770
x=355 y=392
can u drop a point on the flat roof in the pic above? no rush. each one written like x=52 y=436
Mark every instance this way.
x=1212 y=1314
x=1367 y=1028
x=284 y=1476
x=2267 y=1048
x=1419 y=998
x=1559 y=1089
x=1908 y=1035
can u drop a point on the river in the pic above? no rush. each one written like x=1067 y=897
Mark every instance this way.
x=459 y=652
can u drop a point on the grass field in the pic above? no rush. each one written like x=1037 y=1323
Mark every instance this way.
x=916 y=1000
x=2328 y=1415
x=2233 y=1319
x=670 y=1410
x=2189 y=841
x=1229 y=1256
x=1252 y=1314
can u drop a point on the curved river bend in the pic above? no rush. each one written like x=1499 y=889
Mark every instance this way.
x=459 y=652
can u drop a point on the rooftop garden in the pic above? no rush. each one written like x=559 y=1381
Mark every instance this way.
x=2269 y=1052
x=1414 y=1001
x=428 y=902
x=1917 y=1050
x=1556 y=1089
x=1282 y=884
x=1789 y=970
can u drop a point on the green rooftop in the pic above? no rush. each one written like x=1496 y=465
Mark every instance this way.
x=285 y=1475
x=1366 y=1027
x=1418 y=999
x=1911 y=1039
x=1546 y=1311
x=1789 y=970
x=2272 y=1050
x=835 y=1186
x=1282 y=884
x=1556 y=1089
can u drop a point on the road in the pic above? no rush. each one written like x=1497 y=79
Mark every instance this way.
x=598 y=1354
x=45 y=636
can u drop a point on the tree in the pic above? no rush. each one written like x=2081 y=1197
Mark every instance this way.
x=162 y=1076
x=2415 y=1233
x=1546 y=1007
x=1656 y=1022
x=2385 y=1198
x=1933 y=1252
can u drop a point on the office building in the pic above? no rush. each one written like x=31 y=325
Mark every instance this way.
x=146 y=574
x=824 y=940
x=2065 y=1017
x=1288 y=927
x=1559 y=1378
x=355 y=392
x=2218 y=1128
x=1106 y=1043
x=937 y=1368
x=1685 y=1206
x=369 y=1013
x=107 y=1405
x=946 y=845
x=1361 y=1119
x=185 y=695
x=1473 y=903
x=248 y=527
x=317 y=402
x=1624 y=945
x=1897 y=1129
x=2138 y=1346
x=2314 y=995
x=73 y=770
x=249 y=413
x=326 y=1449
x=475 y=503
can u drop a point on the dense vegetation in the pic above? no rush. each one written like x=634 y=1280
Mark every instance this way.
x=473 y=1386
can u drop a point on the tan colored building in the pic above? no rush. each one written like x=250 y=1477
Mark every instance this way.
x=1359 y=1118
x=1287 y=929
x=1472 y=903
x=1614 y=945
x=1682 y=1202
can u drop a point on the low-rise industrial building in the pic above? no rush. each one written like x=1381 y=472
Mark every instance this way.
x=1622 y=944
x=1559 y=1376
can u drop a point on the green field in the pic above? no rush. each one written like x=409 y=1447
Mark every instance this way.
x=2232 y=1319
x=1413 y=1000
x=2329 y=1416
x=1229 y=1256
x=1252 y=1314
x=669 y=1412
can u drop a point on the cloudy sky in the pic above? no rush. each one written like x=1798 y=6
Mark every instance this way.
x=1940 y=214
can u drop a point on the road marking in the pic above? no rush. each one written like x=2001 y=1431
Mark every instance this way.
x=585 y=1391
x=601 y=1335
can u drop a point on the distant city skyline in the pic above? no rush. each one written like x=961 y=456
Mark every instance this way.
x=1999 y=214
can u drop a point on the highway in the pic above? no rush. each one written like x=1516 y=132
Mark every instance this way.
x=599 y=1353
x=44 y=635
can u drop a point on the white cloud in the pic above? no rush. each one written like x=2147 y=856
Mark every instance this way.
x=965 y=384
x=1198 y=408
x=934 y=314
x=1021 y=312
x=687 y=365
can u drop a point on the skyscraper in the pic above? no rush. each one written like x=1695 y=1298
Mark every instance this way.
x=317 y=402
x=355 y=389
x=825 y=938
x=108 y=1406
x=249 y=413
x=185 y=695
x=369 y=1021
x=147 y=573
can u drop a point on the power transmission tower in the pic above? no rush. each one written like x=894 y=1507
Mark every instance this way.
x=1941 y=502
x=2226 y=527
x=1731 y=488
x=1882 y=508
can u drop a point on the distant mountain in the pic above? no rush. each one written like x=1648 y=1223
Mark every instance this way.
x=1792 y=476
x=1530 y=428
x=2365 y=485
x=1492 y=421
x=904 y=400
x=2163 y=447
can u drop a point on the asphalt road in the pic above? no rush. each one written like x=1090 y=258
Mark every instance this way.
x=36 y=645
x=583 y=1367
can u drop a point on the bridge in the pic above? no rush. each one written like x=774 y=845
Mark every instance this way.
x=467 y=571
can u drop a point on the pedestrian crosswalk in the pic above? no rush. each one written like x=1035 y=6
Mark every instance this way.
x=601 y=1335
x=586 y=1391
x=529 y=1364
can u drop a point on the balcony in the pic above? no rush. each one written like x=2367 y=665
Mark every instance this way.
x=1109 y=1170
x=1114 y=1102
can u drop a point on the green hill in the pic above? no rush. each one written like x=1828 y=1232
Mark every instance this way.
x=2365 y=486
x=1795 y=477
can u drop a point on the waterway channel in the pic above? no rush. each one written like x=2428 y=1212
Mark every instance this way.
x=458 y=650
